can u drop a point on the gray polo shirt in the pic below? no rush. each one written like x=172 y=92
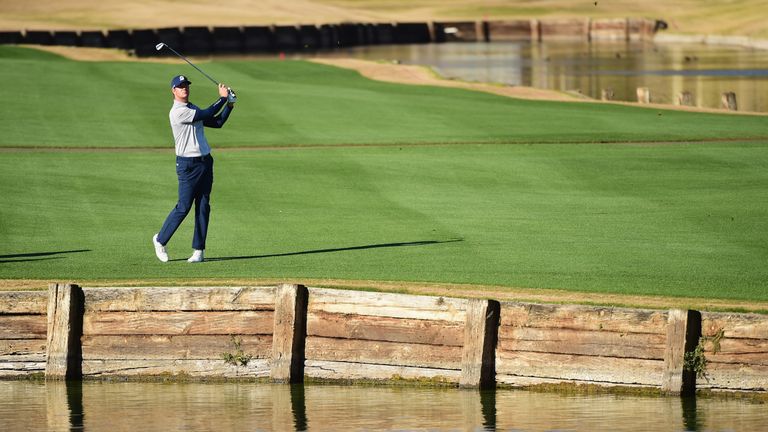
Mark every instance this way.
x=188 y=135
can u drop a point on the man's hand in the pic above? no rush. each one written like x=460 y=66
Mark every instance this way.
x=231 y=96
x=223 y=90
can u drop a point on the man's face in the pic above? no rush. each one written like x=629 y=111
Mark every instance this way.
x=181 y=92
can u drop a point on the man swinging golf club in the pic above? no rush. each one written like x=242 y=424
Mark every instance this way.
x=194 y=164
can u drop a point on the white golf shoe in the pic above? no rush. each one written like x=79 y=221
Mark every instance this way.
x=162 y=255
x=197 y=256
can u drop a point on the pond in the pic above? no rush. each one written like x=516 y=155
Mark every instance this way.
x=705 y=71
x=117 y=406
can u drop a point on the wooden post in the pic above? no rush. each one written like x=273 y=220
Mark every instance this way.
x=643 y=95
x=290 y=333
x=478 y=359
x=685 y=98
x=65 y=327
x=431 y=29
x=481 y=30
x=683 y=333
x=606 y=95
x=729 y=101
x=535 y=30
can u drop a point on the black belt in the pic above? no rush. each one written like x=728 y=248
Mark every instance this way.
x=196 y=158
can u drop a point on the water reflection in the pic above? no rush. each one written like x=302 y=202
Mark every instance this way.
x=690 y=419
x=488 y=403
x=667 y=69
x=115 y=406
x=298 y=407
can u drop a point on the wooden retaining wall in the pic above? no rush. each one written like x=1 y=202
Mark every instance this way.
x=564 y=29
x=366 y=335
x=545 y=344
x=153 y=331
x=286 y=332
x=516 y=30
x=736 y=349
x=609 y=29
x=23 y=330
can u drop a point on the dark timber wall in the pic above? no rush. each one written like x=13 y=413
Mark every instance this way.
x=272 y=39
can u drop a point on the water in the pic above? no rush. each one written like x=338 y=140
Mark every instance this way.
x=119 y=406
x=667 y=69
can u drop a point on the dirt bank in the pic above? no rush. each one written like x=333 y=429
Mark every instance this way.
x=419 y=75
x=734 y=17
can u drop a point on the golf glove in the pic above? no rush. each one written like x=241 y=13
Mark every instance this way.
x=231 y=96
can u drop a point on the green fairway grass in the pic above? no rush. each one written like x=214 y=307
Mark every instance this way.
x=54 y=102
x=351 y=191
x=683 y=220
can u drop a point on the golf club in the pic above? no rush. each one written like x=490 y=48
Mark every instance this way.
x=163 y=44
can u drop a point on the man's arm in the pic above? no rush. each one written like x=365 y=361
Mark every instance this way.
x=210 y=112
x=219 y=120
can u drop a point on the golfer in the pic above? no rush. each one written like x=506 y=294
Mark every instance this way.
x=194 y=164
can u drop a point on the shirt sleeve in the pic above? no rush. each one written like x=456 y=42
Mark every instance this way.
x=182 y=114
x=219 y=120
x=211 y=111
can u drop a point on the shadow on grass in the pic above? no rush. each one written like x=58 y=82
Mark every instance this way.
x=351 y=248
x=37 y=256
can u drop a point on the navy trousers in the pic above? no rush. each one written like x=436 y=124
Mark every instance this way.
x=195 y=182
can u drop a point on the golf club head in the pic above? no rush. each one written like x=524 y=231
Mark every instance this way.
x=159 y=46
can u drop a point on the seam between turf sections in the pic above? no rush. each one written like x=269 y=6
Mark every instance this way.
x=380 y=145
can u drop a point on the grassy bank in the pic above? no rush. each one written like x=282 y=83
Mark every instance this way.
x=493 y=199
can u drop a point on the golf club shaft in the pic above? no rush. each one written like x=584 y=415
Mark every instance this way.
x=192 y=64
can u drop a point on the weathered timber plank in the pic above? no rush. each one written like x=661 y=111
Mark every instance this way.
x=478 y=357
x=578 y=317
x=22 y=346
x=366 y=327
x=178 y=323
x=594 y=343
x=172 y=347
x=196 y=368
x=683 y=333
x=179 y=298
x=364 y=371
x=581 y=368
x=65 y=327
x=526 y=381
x=23 y=326
x=751 y=326
x=735 y=377
x=384 y=353
x=11 y=368
x=24 y=358
x=23 y=302
x=747 y=351
x=757 y=359
x=290 y=333
x=387 y=305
